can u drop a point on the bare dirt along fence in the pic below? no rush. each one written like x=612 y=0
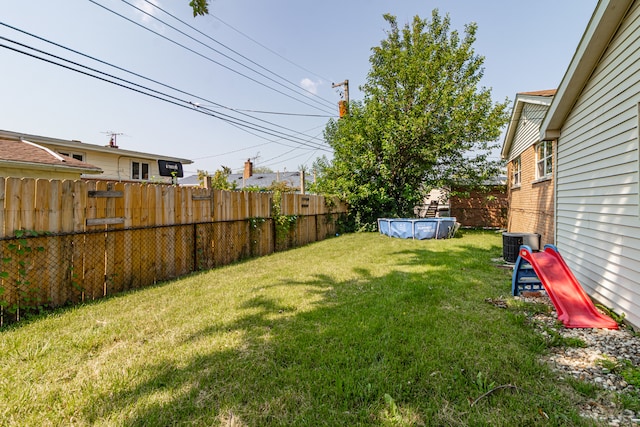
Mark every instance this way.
x=67 y=241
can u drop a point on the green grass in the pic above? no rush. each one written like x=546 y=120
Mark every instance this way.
x=354 y=331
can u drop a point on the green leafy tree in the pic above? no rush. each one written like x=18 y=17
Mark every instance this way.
x=424 y=122
x=262 y=169
x=219 y=179
x=200 y=7
x=202 y=177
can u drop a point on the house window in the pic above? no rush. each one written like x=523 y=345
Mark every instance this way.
x=544 y=159
x=516 y=172
x=76 y=156
x=139 y=170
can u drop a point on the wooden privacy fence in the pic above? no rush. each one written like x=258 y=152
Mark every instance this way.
x=91 y=239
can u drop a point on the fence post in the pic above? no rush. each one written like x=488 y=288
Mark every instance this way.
x=195 y=247
x=96 y=255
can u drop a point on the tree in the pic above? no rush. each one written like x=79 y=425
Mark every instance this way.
x=219 y=179
x=200 y=7
x=202 y=177
x=262 y=169
x=424 y=122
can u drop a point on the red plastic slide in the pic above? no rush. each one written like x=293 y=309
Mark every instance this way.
x=574 y=307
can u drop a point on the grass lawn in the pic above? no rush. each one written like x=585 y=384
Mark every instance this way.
x=354 y=331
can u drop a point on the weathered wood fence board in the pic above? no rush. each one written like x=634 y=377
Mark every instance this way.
x=100 y=238
x=70 y=206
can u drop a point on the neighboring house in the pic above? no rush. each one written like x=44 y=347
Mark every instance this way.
x=482 y=207
x=435 y=204
x=265 y=180
x=248 y=179
x=594 y=119
x=259 y=180
x=25 y=159
x=117 y=164
x=191 y=180
x=530 y=167
x=485 y=207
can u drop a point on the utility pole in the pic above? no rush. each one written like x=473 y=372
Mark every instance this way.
x=344 y=103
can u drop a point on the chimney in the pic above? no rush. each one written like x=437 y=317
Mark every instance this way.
x=248 y=169
x=112 y=141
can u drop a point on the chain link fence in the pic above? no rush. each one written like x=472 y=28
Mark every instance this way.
x=39 y=272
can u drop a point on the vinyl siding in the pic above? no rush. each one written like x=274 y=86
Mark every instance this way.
x=597 y=195
x=115 y=166
x=528 y=130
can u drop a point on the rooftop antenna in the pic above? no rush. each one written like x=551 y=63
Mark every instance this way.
x=256 y=157
x=112 y=138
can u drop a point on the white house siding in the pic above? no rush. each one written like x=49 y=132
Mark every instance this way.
x=119 y=167
x=115 y=164
x=597 y=181
x=528 y=130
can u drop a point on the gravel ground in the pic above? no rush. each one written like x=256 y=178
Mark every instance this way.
x=584 y=363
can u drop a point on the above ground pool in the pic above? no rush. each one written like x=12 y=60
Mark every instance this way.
x=418 y=228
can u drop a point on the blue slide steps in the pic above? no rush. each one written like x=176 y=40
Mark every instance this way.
x=524 y=278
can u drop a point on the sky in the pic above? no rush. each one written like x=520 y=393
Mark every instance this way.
x=253 y=80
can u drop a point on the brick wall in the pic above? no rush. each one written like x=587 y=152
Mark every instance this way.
x=480 y=208
x=531 y=205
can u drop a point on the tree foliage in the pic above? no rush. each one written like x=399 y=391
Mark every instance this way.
x=262 y=169
x=202 y=177
x=200 y=7
x=219 y=180
x=424 y=122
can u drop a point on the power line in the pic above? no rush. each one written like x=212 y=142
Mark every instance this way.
x=299 y=140
x=137 y=75
x=206 y=57
x=228 y=48
x=241 y=111
x=278 y=141
x=279 y=113
x=155 y=94
x=282 y=160
x=231 y=152
x=268 y=49
x=309 y=158
x=288 y=152
x=259 y=145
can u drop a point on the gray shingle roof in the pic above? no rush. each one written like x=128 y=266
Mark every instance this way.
x=261 y=180
x=264 y=180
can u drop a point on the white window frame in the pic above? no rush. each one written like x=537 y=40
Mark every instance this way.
x=544 y=159
x=516 y=172
x=139 y=175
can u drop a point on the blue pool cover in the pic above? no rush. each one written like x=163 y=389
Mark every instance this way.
x=418 y=228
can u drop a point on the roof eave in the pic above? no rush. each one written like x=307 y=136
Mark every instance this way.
x=601 y=28
x=521 y=99
x=50 y=167
x=85 y=146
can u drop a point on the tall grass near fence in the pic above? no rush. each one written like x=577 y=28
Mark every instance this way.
x=65 y=242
